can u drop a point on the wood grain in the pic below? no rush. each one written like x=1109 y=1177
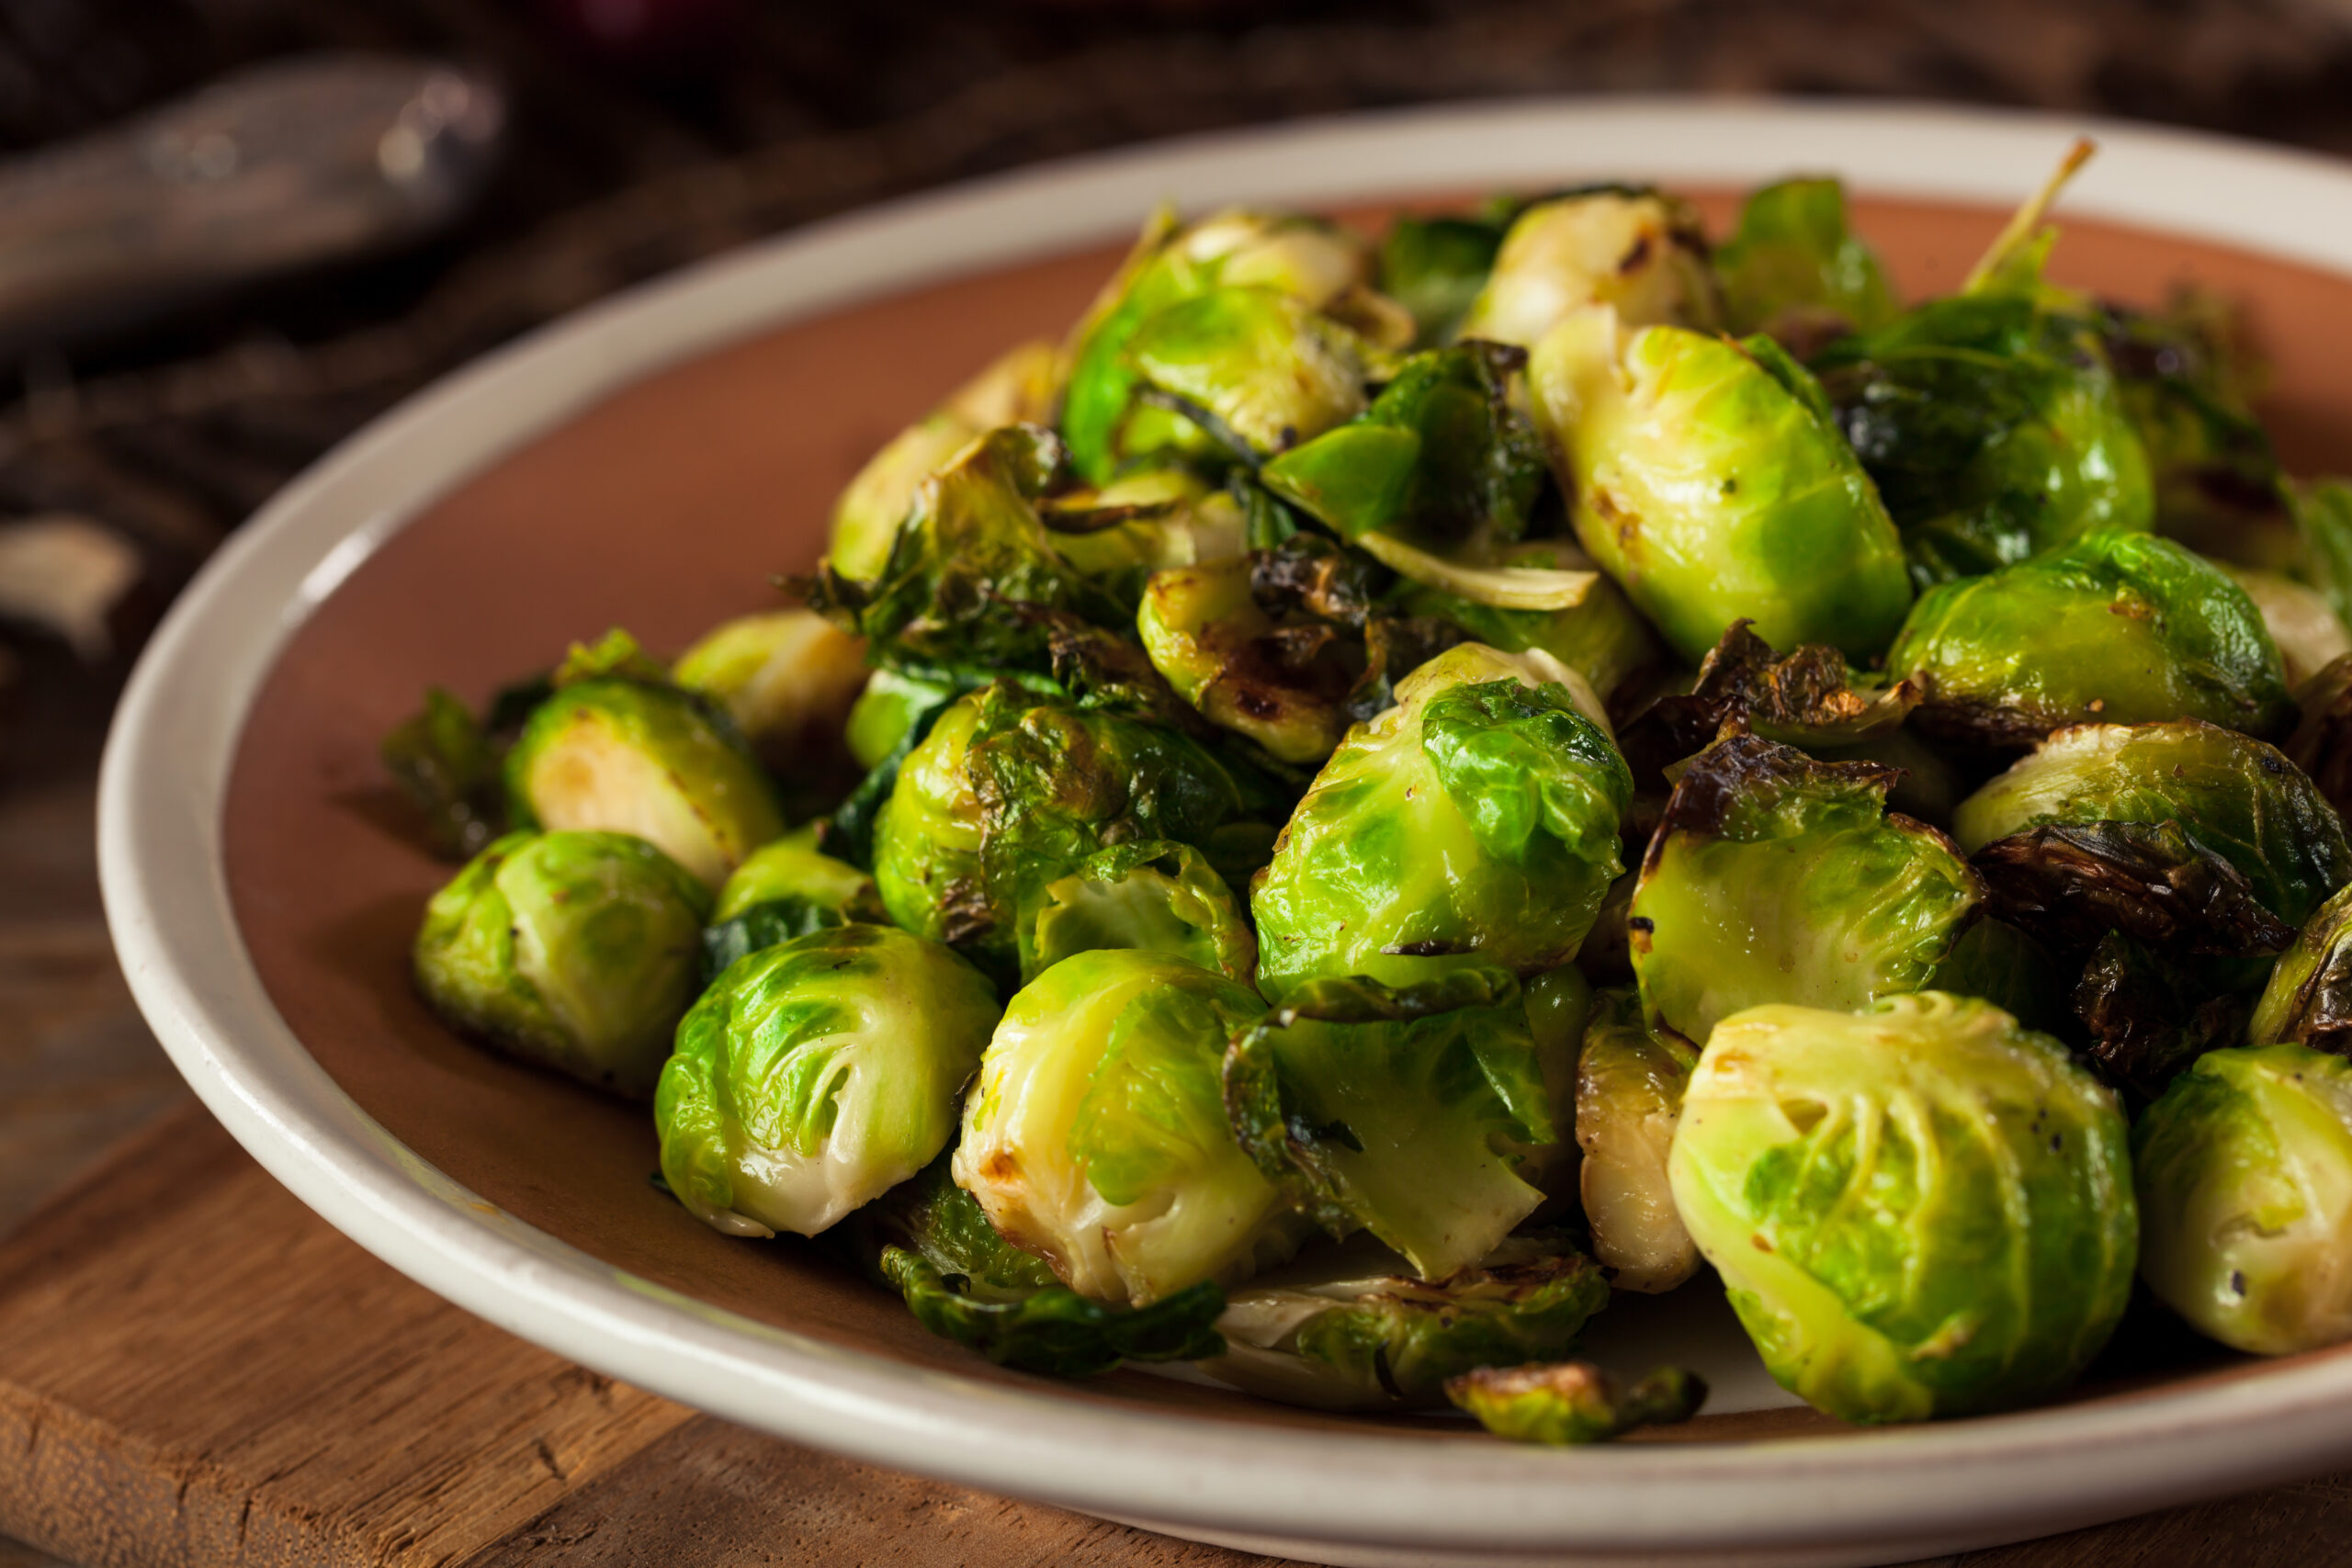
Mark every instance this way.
x=198 y=1372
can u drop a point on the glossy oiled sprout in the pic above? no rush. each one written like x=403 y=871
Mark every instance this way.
x=1095 y=1135
x=1012 y=792
x=1152 y=894
x=1017 y=388
x=2114 y=627
x=1475 y=823
x=618 y=749
x=1316 y=262
x=1775 y=878
x=1629 y=1082
x=1419 y=1114
x=1638 y=251
x=1918 y=1210
x=1708 y=478
x=1351 y=1328
x=1993 y=428
x=2227 y=795
x=786 y=678
x=815 y=1076
x=2244 y=1173
x=575 y=949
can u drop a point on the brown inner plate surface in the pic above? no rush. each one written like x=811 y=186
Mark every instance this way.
x=665 y=508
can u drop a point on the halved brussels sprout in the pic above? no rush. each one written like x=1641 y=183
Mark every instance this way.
x=2245 y=1174
x=1012 y=791
x=2308 y=999
x=1707 y=478
x=786 y=889
x=1159 y=897
x=1018 y=388
x=1993 y=429
x=1629 y=1092
x=574 y=950
x=1440 y=459
x=1796 y=270
x=1241 y=373
x=1639 y=252
x=789 y=679
x=2113 y=626
x=1777 y=879
x=1475 y=823
x=1286 y=687
x=1918 y=1210
x=1315 y=262
x=1096 y=1137
x=965 y=1282
x=2232 y=795
x=1573 y=1402
x=974 y=575
x=815 y=1076
x=2299 y=619
x=618 y=748
x=1350 y=1328
x=1410 y=1113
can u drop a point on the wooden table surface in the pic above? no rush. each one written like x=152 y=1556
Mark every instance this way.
x=197 y=1372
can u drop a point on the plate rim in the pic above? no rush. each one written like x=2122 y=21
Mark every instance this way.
x=176 y=732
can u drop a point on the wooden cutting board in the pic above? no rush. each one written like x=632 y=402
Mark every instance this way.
x=198 y=1372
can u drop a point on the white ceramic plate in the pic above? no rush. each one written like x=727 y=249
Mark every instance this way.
x=1375 y=1498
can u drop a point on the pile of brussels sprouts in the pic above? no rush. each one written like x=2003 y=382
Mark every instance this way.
x=1381 y=795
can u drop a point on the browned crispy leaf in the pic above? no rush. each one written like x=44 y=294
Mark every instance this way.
x=2070 y=885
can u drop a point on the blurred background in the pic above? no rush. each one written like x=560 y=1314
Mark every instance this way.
x=234 y=230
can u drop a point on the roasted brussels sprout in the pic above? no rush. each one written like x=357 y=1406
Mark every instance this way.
x=1412 y=1113
x=1601 y=636
x=974 y=577
x=575 y=949
x=1639 y=252
x=1239 y=374
x=1475 y=823
x=1629 y=1092
x=787 y=677
x=965 y=1282
x=1993 y=428
x=1096 y=1137
x=2244 y=1176
x=1314 y=261
x=1289 y=687
x=1440 y=459
x=1018 y=389
x=2308 y=999
x=1149 y=522
x=1918 y=1210
x=1573 y=1402
x=1012 y=791
x=2149 y=1014
x=815 y=1076
x=1707 y=478
x=2114 y=627
x=2230 y=797
x=893 y=704
x=619 y=748
x=1777 y=879
x=1796 y=270
x=1350 y=1328
x=786 y=889
x=1159 y=897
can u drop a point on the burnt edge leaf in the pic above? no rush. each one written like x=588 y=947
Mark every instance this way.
x=2146 y=1020
x=2069 y=884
